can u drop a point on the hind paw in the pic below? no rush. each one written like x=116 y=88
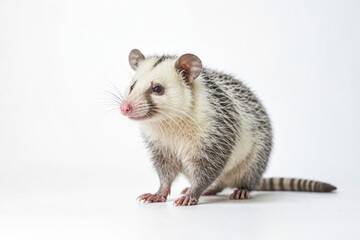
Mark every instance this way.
x=240 y=194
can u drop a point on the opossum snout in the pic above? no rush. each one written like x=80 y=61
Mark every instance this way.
x=125 y=108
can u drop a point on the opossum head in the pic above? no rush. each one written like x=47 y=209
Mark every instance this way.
x=162 y=86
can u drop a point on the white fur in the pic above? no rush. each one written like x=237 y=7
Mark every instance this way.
x=182 y=130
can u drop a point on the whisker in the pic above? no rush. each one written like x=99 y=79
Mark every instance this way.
x=186 y=119
x=185 y=114
x=109 y=111
x=161 y=129
x=116 y=90
x=173 y=121
x=165 y=121
x=111 y=94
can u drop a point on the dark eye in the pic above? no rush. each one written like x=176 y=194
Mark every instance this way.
x=158 y=89
x=132 y=87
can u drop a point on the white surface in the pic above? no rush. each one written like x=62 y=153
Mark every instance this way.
x=69 y=169
x=113 y=214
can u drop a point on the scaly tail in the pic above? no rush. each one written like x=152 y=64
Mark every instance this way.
x=293 y=184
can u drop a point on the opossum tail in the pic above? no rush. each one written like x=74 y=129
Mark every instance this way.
x=294 y=184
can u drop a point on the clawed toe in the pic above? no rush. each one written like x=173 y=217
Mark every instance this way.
x=148 y=197
x=186 y=201
x=240 y=194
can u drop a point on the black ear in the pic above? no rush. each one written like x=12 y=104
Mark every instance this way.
x=190 y=66
x=135 y=56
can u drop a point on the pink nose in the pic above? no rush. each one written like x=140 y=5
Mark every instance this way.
x=125 y=108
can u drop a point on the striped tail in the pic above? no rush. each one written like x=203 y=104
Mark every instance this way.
x=293 y=184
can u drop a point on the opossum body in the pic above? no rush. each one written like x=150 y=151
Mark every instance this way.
x=204 y=124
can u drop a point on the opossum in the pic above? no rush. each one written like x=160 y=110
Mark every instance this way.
x=204 y=124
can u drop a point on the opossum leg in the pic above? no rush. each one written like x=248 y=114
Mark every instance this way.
x=159 y=196
x=164 y=189
x=203 y=174
x=240 y=194
x=167 y=169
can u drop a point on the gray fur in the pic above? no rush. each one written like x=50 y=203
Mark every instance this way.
x=225 y=93
x=234 y=110
x=166 y=165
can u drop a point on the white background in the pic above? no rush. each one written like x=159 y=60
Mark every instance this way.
x=70 y=169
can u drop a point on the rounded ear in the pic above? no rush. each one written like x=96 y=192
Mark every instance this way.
x=190 y=66
x=135 y=56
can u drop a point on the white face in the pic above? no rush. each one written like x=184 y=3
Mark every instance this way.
x=161 y=88
x=156 y=92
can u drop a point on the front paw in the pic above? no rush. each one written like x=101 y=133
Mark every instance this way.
x=186 y=200
x=148 y=197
